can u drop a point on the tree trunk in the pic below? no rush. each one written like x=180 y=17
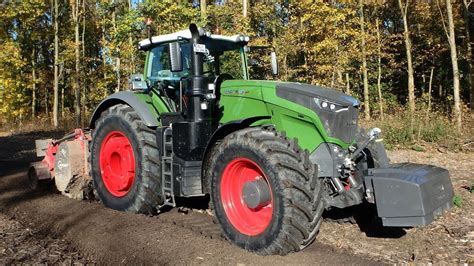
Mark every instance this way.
x=379 y=64
x=33 y=70
x=61 y=82
x=245 y=4
x=46 y=97
x=470 y=75
x=103 y=41
x=364 y=62
x=77 y=94
x=62 y=102
x=348 y=84
x=56 y=61
x=84 y=80
x=454 y=62
x=203 y=5
x=130 y=40
x=333 y=78
x=411 y=79
x=430 y=85
x=428 y=108
x=117 y=51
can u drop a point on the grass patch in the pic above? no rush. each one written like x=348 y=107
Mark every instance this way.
x=436 y=129
x=457 y=201
x=39 y=123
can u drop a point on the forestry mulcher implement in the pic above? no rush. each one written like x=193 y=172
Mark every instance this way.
x=272 y=155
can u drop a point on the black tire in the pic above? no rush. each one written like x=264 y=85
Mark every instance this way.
x=372 y=157
x=295 y=188
x=143 y=195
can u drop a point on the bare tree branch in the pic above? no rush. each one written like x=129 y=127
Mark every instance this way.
x=466 y=3
x=442 y=20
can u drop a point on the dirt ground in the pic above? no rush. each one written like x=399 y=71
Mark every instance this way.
x=45 y=227
x=20 y=244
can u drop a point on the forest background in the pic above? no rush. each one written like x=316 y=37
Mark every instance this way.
x=409 y=62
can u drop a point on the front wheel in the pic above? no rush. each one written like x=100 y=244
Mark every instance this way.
x=265 y=192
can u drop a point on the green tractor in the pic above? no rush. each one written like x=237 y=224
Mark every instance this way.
x=273 y=156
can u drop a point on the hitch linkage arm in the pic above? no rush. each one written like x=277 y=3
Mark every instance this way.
x=373 y=135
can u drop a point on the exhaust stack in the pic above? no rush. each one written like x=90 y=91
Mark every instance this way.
x=190 y=137
x=196 y=94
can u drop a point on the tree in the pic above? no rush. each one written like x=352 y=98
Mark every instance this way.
x=408 y=46
x=33 y=73
x=117 y=50
x=245 y=4
x=56 y=62
x=203 y=5
x=75 y=6
x=470 y=75
x=450 y=33
x=364 y=62
x=379 y=67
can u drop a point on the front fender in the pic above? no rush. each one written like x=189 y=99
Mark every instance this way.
x=145 y=110
x=221 y=133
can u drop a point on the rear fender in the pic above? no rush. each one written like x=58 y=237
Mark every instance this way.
x=145 y=109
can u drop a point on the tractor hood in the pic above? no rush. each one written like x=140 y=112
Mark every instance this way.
x=301 y=93
x=337 y=111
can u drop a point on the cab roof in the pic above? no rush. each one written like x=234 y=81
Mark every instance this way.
x=212 y=41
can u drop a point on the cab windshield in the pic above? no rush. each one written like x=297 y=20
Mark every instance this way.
x=219 y=62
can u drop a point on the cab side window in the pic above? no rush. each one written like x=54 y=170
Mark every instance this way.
x=159 y=64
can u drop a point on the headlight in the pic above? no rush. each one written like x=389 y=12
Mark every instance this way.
x=329 y=106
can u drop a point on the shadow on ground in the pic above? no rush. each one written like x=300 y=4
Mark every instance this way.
x=365 y=216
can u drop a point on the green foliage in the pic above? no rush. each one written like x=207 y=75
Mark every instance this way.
x=457 y=201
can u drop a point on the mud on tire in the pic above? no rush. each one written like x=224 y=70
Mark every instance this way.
x=143 y=195
x=295 y=188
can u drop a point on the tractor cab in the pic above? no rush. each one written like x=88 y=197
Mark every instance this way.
x=222 y=54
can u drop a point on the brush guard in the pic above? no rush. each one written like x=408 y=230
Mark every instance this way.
x=409 y=194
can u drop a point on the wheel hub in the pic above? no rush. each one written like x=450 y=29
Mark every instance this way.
x=117 y=163
x=246 y=196
x=256 y=194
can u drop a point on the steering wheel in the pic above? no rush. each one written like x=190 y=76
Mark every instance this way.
x=218 y=82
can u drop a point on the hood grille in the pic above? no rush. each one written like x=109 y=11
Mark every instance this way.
x=341 y=125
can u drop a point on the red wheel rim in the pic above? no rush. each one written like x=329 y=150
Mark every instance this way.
x=117 y=163
x=246 y=220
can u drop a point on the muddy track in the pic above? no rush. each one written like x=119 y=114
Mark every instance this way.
x=108 y=236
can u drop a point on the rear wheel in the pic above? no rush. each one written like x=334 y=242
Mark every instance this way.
x=124 y=161
x=265 y=192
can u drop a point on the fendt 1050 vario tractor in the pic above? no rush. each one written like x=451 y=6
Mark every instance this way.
x=272 y=155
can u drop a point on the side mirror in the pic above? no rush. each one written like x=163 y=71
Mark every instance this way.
x=274 y=60
x=175 y=57
x=137 y=83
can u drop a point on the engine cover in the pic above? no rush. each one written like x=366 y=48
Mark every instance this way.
x=409 y=194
